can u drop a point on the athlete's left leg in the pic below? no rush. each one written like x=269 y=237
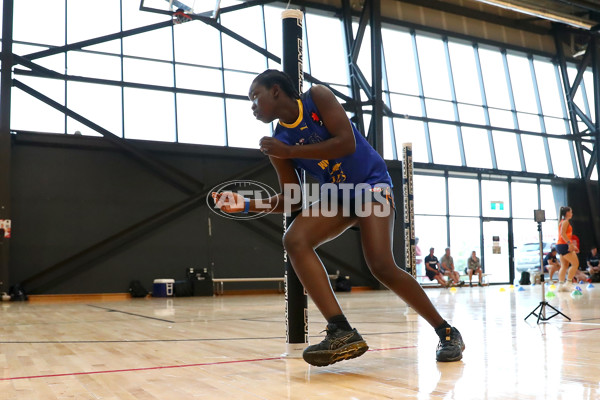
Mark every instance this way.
x=574 y=265
x=376 y=234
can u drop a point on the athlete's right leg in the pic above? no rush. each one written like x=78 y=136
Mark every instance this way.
x=565 y=285
x=574 y=260
x=304 y=235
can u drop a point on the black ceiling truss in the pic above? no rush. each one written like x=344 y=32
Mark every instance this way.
x=176 y=177
x=215 y=24
x=41 y=72
x=587 y=141
x=101 y=39
x=575 y=112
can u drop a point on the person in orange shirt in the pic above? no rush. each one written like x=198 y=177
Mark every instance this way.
x=567 y=249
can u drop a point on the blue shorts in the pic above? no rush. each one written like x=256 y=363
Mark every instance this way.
x=379 y=194
x=562 y=249
x=385 y=196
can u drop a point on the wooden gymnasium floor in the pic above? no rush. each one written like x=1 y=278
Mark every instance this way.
x=229 y=347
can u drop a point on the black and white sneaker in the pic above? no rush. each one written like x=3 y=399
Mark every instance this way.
x=451 y=345
x=338 y=345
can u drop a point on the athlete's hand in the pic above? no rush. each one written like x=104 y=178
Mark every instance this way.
x=573 y=247
x=275 y=148
x=228 y=202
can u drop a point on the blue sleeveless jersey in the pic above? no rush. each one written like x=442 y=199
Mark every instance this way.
x=365 y=165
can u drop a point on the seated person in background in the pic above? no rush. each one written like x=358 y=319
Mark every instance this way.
x=431 y=269
x=593 y=264
x=581 y=275
x=474 y=267
x=551 y=264
x=447 y=268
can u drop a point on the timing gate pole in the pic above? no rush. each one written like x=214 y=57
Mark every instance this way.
x=296 y=300
x=409 y=213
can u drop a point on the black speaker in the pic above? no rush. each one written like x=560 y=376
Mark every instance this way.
x=182 y=288
x=525 y=278
x=201 y=282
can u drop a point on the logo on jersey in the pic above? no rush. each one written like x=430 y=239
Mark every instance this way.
x=336 y=173
x=316 y=118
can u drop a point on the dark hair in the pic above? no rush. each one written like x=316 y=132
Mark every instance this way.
x=563 y=211
x=272 y=77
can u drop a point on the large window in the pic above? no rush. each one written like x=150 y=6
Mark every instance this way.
x=524 y=199
x=477 y=147
x=400 y=62
x=209 y=110
x=465 y=237
x=459 y=102
x=432 y=62
x=432 y=233
x=463 y=196
x=430 y=194
x=464 y=68
x=475 y=203
x=149 y=115
x=444 y=143
x=494 y=199
x=326 y=57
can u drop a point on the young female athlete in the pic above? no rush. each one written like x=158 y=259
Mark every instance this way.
x=314 y=133
x=567 y=249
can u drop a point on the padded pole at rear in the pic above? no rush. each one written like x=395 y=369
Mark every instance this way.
x=296 y=301
x=409 y=214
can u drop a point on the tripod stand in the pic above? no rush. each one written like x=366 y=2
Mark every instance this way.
x=541 y=315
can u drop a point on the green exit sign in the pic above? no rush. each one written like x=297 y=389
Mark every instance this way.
x=497 y=205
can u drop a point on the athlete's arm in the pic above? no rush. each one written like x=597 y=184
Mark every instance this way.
x=289 y=186
x=231 y=202
x=336 y=121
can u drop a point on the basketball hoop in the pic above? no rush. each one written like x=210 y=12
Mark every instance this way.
x=179 y=17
